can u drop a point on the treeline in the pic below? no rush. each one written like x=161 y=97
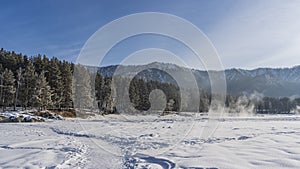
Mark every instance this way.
x=47 y=83
x=135 y=99
x=146 y=95
x=271 y=105
x=37 y=82
x=107 y=100
x=262 y=105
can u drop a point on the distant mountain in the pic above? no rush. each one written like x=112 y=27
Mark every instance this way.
x=268 y=81
x=275 y=82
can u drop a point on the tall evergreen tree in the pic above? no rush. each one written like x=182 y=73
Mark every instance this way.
x=38 y=64
x=42 y=95
x=18 y=85
x=99 y=88
x=55 y=82
x=134 y=93
x=66 y=72
x=108 y=104
x=28 y=86
x=82 y=88
x=1 y=82
x=8 y=88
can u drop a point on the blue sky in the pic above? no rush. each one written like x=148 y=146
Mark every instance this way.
x=246 y=33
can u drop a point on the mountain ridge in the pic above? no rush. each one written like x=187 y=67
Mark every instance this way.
x=274 y=82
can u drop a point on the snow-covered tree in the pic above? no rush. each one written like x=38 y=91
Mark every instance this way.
x=43 y=93
x=55 y=82
x=82 y=88
x=19 y=79
x=1 y=80
x=66 y=72
x=8 y=88
x=28 y=87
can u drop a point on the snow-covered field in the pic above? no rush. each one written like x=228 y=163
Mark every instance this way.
x=172 y=141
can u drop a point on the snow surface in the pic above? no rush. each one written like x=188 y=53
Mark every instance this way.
x=118 y=141
x=27 y=115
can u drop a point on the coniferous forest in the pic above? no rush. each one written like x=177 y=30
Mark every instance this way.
x=46 y=83
x=37 y=82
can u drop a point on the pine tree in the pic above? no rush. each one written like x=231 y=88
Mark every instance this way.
x=205 y=102
x=42 y=95
x=38 y=64
x=93 y=74
x=1 y=82
x=143 y=93
x=28 y=86
x=99 y=89
x=108 y=104
x=66 y=72
x=134 y=94
x=19 y=83
x=82 y=88
x=55 y=82
x=8 y=89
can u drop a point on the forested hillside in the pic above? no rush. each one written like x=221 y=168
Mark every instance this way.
x=35 y=81
x=47 y=83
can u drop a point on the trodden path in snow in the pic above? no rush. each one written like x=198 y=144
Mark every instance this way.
x=152 y=142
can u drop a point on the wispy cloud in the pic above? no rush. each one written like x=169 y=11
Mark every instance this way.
x=246 y=33
x=65 y=52
x=259 y=34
